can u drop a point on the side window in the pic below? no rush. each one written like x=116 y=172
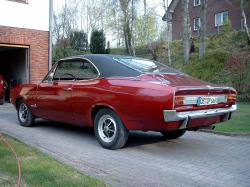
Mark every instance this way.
x=75 y=70
x=85 y=70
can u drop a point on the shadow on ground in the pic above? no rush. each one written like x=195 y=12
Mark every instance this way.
x=136 y=138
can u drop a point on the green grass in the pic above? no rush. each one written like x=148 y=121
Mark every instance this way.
x=240 y=122
x=38 y=169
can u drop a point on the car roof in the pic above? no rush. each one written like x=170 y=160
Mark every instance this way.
x=107 y=65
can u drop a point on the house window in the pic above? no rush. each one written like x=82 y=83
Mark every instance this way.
x=221 y=18
x=197 y=2
x=197 y=24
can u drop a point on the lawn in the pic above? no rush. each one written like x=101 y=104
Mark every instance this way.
x=240 y=122
x=38 y=169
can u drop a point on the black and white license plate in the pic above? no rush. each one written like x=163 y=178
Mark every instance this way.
x=201 y=101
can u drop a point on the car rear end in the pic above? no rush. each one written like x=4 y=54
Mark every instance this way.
x=197 y=106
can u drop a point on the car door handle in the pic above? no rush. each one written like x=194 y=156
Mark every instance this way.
x=67 y=89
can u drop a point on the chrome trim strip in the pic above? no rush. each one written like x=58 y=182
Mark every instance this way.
x=173 y=115
x=207 y=87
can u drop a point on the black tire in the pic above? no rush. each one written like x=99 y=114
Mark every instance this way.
x=2 y=100
x=24 y=115
x=112 y=136
x=169 y=135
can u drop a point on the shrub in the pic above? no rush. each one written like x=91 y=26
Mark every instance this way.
x=210 y=67
x=239 y=69
x=97 y=42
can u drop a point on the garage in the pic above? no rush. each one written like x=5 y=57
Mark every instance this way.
x=14 y=65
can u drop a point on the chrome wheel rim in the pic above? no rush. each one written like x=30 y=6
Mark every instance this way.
x=107 y=128
x=23 y=112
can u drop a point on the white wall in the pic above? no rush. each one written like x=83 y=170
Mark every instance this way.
x=34 y=15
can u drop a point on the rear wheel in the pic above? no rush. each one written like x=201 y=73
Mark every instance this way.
x=24 y=115
x=169 y=135
x=109 y=129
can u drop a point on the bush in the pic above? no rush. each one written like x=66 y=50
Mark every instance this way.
x=239 y=68
x=210 y=67
x=97 y=42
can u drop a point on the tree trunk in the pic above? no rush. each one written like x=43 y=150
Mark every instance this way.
x=244 y=20
x=165 y=5
x=124 y=4
x=146 y=20
x=202 y=47
x=186 y=33
x=132 y=28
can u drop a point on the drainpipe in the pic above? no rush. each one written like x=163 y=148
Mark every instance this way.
x=50 y=31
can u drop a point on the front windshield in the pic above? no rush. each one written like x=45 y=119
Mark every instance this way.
x=146 y=66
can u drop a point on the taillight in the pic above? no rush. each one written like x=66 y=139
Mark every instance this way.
x=231 y=98
x=185 y=100
x=179 y=100
x=1 y=81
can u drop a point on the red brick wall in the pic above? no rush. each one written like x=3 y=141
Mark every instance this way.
x=38 y=42
x=177 y=22
x=214 y=6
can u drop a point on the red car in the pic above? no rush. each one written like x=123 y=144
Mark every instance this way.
x=2 y=90
x=115 y=94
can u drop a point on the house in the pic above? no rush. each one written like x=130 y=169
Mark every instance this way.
x=218 y=12
x=24 y=40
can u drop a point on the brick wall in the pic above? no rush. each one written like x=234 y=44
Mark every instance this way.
x=38 y=48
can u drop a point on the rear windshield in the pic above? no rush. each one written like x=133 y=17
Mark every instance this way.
x=146 y=66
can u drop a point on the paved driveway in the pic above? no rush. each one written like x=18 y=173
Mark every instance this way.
x=196 y=159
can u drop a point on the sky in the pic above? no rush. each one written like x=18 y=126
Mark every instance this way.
x=151 y=3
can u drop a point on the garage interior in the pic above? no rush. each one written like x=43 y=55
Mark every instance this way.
x=14 y=66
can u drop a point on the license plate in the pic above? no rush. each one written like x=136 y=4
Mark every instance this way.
x=201 y=101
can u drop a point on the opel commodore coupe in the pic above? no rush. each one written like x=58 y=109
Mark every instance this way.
x=116 y=94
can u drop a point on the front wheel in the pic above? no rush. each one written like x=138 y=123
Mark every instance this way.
x=24 y=115
x=109 y=129
x=169 y=135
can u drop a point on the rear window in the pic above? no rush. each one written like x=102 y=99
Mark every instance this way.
x=146 y=66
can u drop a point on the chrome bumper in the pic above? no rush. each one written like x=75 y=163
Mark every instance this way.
x=185 y=117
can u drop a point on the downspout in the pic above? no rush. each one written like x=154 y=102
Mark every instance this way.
x=50 y=31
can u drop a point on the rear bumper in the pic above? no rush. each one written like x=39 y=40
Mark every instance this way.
x=186 y=117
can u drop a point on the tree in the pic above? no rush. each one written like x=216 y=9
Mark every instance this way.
x=97 y=42
x=203 y=10
x=165 y=4
x=242 y=2
x=124 y=4
x=132 y=26
x=108 y=48
x=64 y=23
x=186 y=34
x=79 y=40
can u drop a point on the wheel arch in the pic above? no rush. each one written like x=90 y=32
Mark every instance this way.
x=18 y=99
x=96 y=108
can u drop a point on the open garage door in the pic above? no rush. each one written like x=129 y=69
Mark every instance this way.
x=14 y=65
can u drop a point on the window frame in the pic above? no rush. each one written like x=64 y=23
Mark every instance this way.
x=221 y=18
x=197 y=4
x=194 y=26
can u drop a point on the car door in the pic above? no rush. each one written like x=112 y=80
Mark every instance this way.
x=85 y=90
x=55 y=92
